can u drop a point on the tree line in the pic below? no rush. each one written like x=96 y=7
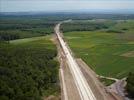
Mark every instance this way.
x=130 y=85
x=85 y=26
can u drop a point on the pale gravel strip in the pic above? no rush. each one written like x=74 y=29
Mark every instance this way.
x=84 y=89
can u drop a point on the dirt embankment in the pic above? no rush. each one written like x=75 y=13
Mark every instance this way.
x=97 y=87
x=68 y=87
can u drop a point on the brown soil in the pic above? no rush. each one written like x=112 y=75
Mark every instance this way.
x=128 y=54
x=100 y=91
x=72 y=92
x=52 y=97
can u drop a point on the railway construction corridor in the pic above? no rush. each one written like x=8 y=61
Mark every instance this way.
x=84 y=89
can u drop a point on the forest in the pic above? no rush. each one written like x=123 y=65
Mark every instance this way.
x=28 y=71
x=22 y=27
x=28 y=66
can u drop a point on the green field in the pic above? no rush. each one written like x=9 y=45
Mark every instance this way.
x=108 y=53
x=106 y=82
x=28 y=69
x=18 y=41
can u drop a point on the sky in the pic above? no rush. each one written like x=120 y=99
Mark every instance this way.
x=64 y=5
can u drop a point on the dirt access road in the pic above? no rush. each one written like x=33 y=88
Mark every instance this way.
x=77 y=80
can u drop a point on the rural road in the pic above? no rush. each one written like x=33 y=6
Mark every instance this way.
x=83 y=88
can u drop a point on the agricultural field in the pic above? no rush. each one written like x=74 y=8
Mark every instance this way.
x=108 y=50
x=28 y=69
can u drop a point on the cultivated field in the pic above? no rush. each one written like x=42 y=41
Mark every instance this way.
x=108 y=50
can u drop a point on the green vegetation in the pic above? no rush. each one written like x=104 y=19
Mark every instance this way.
x=110 y=26
x=18 y=41
x=106 y=52
x=87 y=25
x=14 y=28
x=28 y=70
x=130 y=85
x=106 y=82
